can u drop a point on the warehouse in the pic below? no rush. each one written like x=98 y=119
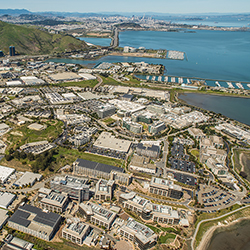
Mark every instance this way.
x=5 y=173
x=6 y=199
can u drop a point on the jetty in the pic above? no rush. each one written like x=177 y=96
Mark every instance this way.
x=166 y=79
x=180 y=80
x=153 y=78
x=172 y=79
x=188 y=81
x=159 y=78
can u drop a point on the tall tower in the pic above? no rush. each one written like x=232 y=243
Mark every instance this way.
x=12 y=50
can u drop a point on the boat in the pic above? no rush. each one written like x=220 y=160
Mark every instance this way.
x=230 y=85
x=172 y=79
x=153 y=78
x=159 y=78
x=217 y=83
x=239 y=85
x=147 y=77
x=166 y=79
x=188 y=81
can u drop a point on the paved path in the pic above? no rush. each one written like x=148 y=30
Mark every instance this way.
x=198 y=225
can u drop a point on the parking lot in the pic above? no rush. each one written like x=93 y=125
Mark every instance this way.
x=213 y=197
x=177 y=151
x=182 y=165
x=183 y=178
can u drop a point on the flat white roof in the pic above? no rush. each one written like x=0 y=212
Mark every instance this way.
x=28 y=178
x=6 y=199
x=3 y=217
x=3 y=126
x=5 y=173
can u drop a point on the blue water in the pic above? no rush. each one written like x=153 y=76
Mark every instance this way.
x=233 y=107
x=219 y=55
x=96 y=41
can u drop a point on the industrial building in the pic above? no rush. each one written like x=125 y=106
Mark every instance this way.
x=5 y=173
x=94 y=169
x=32 y=80
x=54 y=202
x=104 y=189
x=107 y=141
x=6 y=199
x=76 y=232
x=3 y=217
x=151 y=151
x=4 y=128
x=36 y=126
x=28 y=178
x=165 y=188
x=75 y=187
x=156 y=109
x=97 y=214
x=34 y=221
x=65 y=77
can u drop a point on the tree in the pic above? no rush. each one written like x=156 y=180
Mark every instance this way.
x=243 y=174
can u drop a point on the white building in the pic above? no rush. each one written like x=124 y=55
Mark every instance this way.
x=5 y=173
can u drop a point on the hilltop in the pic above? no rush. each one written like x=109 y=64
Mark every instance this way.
x=32 y=41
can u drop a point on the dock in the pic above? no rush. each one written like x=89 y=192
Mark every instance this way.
x=230 y=85
x=147 y=77
x=239 y=85
x=153 y=78
x=159 y=78
x=166 y=79
x=217 y=83
x=172 y=79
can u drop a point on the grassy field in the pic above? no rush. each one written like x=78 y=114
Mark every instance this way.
x=30 y=40
x=196 y=153
x=68 y=156
x=109 y=81
x=108 y=120
x=82 y=84
x=167 y=238
x=52 y=131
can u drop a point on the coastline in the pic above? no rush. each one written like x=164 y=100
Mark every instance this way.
x=206 y=239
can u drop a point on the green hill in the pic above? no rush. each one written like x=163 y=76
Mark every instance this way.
x=32 y=41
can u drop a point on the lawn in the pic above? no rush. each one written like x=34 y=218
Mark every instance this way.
x=109 y=81
x=167 y=238
x=82 y=84
x=68 y=156
x=108 y=120
x=196 y=153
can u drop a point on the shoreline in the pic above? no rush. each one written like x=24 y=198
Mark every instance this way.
x=207 y=237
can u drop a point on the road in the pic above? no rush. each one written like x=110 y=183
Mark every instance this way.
x=198 y=226
x=99 y=82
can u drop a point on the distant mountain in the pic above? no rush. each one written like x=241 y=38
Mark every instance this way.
x=32 y=41
x=13 y=12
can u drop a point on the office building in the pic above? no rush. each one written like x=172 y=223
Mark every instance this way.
x=94 y=169
x=32 y=220
x=97 y=214
x=120 y=177
x=165 y=188
x=76 y=232
x=131 y=126
x=105 y=110
x=104 y=190
x=156 y=127
x=142 y=236
x=54 y=202
x=75 y=187
x=6 y=199
x=151 y=151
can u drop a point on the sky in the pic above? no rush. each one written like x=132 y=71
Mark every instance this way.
x=142 y=6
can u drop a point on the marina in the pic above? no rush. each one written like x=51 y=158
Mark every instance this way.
x=187 y=81
x=230 y=85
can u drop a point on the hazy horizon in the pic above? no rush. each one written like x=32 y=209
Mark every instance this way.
x=132 y=6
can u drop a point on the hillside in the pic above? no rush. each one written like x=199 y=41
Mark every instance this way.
x=32 y=41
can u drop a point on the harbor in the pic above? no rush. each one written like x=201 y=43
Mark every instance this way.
x=188 y=81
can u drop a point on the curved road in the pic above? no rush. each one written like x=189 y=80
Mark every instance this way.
x=198 y=226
